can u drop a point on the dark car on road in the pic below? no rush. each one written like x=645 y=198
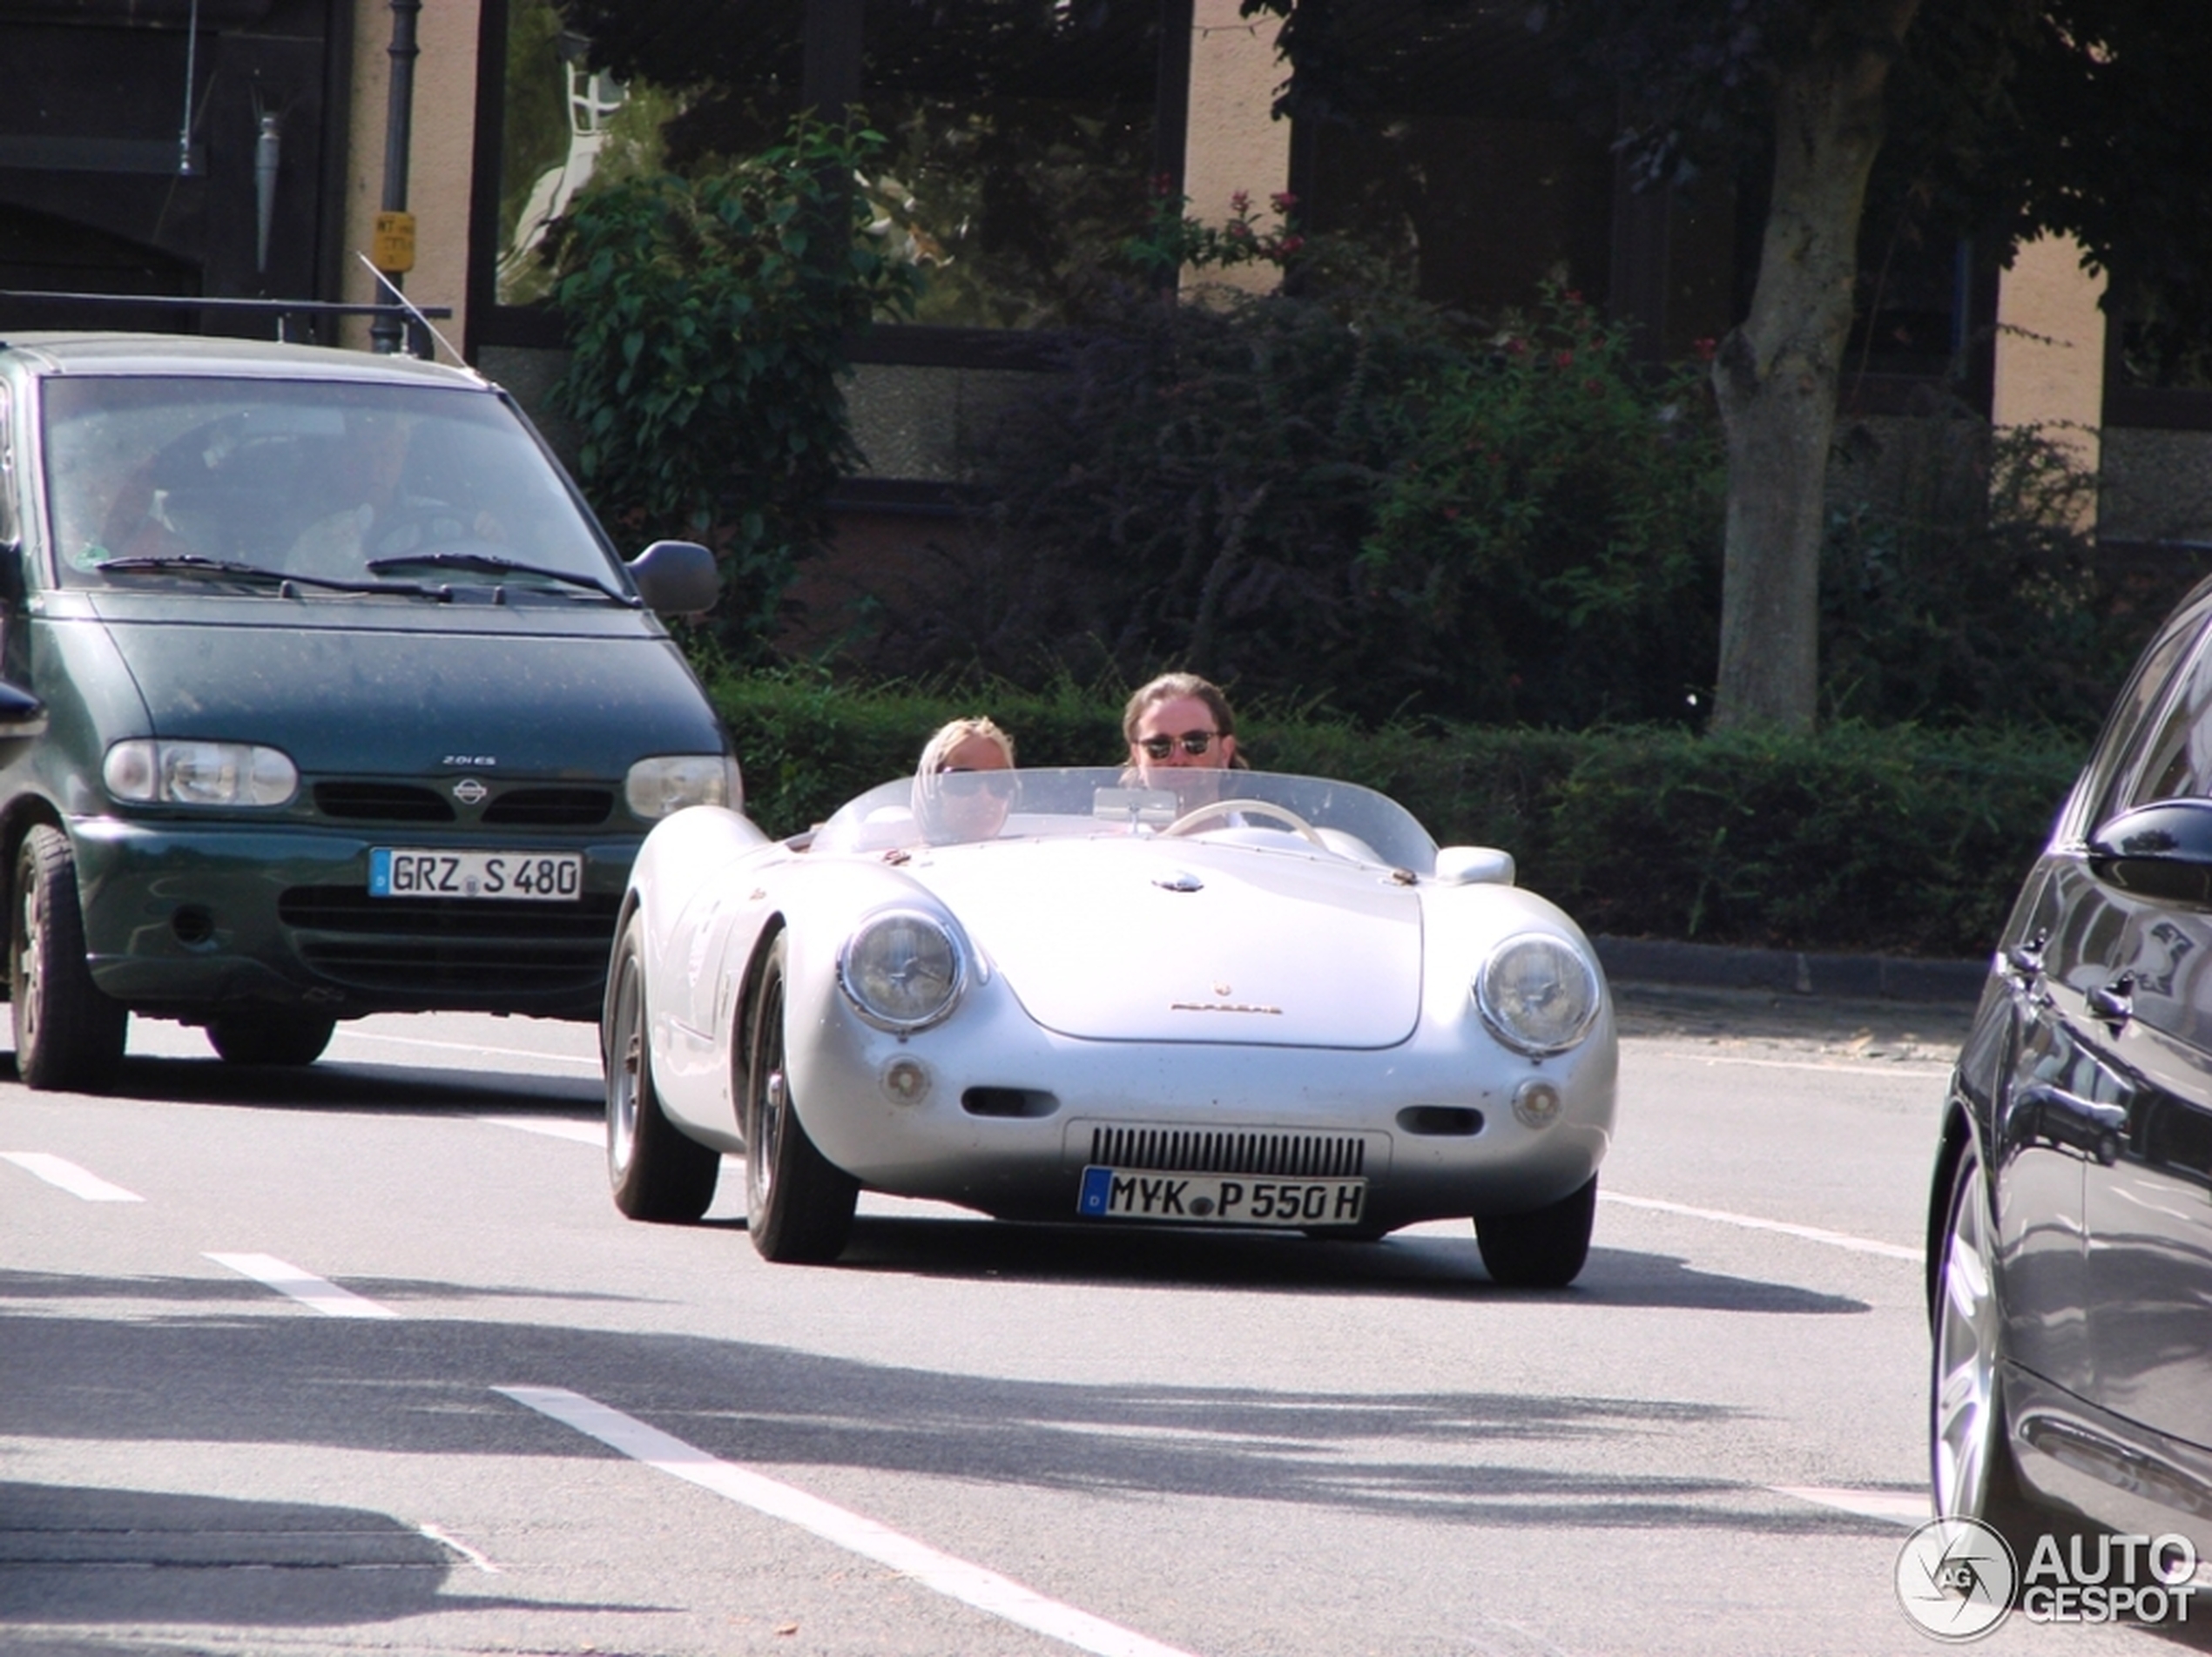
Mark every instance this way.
x=323 y=693
x=2070 y=1225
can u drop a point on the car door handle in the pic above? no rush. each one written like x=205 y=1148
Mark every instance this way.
x=2105 y=1118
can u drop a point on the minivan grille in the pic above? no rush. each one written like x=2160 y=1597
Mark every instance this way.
x=382 y=803
x=1201 y=1150
x=437 y=944
x=552 y=807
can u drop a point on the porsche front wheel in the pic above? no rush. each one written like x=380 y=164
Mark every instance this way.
x=1542 y=1248
x=657 y=1173
x=798 y=1204
x=69 y=1035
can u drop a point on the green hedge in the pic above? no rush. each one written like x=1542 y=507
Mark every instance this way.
x=1898 y=840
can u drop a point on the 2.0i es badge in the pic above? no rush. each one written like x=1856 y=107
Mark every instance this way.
x=250 y=594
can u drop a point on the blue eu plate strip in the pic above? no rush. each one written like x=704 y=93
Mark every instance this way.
x=1098 y=1185
x=380 y=872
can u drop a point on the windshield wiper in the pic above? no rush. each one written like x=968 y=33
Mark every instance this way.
x=492 y=564
x=192 y=564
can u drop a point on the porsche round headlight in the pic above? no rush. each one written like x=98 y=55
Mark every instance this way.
x=146 y=769
x=902 y=971
x=1538 y=993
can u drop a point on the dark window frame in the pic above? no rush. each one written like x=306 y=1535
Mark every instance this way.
x=831 y=35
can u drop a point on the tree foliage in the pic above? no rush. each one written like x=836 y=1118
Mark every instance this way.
x=1998 y=119
x=710 y=320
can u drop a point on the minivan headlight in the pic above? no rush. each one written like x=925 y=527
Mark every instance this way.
x=667 y=783
x=1538 y=993
x=146 y=769
x=902 y=971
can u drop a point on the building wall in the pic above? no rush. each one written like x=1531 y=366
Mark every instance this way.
x=441 y=155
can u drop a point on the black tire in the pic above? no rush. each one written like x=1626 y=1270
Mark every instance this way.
x=269 y=1036
x=654 y=1171
x=798 y=1204
x=1545 y=1248
x=69 y=1036
x=1971 y=1470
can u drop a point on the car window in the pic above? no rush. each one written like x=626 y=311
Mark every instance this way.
x=2175 y=758
x=310 y=479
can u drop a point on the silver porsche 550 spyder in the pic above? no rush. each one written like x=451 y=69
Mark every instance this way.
x=1248 y=1000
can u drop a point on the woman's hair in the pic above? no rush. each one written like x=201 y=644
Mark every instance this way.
x=1167 y=688
x=949 y=737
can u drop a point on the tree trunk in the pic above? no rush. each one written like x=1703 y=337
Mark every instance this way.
x=1776 y=375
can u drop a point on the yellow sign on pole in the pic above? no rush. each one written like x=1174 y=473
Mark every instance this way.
x=392 y=248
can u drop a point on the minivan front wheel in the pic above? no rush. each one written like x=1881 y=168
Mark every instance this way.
x=69 y=1036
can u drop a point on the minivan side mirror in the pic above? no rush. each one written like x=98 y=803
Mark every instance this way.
x=676 y=578
x=2163 y=852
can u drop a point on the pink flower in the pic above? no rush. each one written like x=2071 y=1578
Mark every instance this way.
x=1564 y=360
x=1705 y=348
x=1240 y=201
x=1282 y=201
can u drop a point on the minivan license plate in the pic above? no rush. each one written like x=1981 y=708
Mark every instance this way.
x=1215 y=1199
x=545 y=877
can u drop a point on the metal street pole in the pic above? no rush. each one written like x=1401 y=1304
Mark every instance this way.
x=393 y=253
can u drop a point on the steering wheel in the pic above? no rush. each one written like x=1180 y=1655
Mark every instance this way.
x=418 y=526
x=1187 y=824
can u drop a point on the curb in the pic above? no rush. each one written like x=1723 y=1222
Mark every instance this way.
x=1889 y=978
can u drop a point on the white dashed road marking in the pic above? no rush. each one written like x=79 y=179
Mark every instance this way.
x=1897 y=1507
x=971 y=1585
x=583 y=1133
x=1752 y=1223
x=74 y=1179
x=305 y=1287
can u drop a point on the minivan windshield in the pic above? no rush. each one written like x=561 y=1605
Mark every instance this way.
x=329 y=481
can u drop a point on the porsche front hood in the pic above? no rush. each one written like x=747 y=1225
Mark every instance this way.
x=1182 y=941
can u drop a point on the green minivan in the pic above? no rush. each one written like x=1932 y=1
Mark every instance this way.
x=323 y=693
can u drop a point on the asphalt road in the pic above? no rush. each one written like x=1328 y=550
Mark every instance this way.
x=360 y=1359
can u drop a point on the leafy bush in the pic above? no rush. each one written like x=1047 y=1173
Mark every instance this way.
x=1553 y=530
x=710 y=318
x=1190 y=490
x=1902 y=840
x=1965 y=587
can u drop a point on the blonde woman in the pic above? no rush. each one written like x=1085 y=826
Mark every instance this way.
x=964 y=787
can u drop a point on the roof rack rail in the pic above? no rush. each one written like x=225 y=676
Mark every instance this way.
x=418 y=332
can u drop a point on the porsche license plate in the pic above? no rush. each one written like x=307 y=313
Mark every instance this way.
x=543 y=877
x=1219 y=1199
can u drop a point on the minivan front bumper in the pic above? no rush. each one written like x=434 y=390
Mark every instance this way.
x=181 y=920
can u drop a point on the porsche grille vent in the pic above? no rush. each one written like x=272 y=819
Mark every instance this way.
x=1198 y=1150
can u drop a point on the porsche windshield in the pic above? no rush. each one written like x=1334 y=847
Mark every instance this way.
x=1253 y=808
x=328 y=480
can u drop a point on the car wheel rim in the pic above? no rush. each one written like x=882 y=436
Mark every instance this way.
x=30 y=966
x=626 y=1077
x=771 y=1093
x=1966 y=1346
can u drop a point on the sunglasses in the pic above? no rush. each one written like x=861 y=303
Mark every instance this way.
x=1194 y=742
x=967 y=784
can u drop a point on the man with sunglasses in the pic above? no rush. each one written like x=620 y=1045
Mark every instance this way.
x=1178 y=722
